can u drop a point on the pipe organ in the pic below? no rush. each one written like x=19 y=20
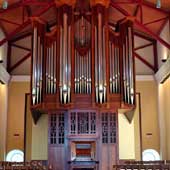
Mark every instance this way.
x=82 y=76
x=78 y=58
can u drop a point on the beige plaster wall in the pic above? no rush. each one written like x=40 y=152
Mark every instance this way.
x=16 y=111
x=3 y=119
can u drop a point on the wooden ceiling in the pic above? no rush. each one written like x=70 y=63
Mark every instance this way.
x=148 y=20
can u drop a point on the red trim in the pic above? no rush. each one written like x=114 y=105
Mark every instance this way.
x=155 y=56
x=153 y=34
x=27 y=34
x=26 y=23
x=141 y=14
x=143 y=46
x=34 y=2
x=10 y=22
x=9 y=56
x=157 y=20
x=13 y=6
x=136 y=11
x=144 y=61
x=20 y=62
x=162 y=26
x=142 y=35
x=151 y=5
x=124 y=12
x=18 y=29
x=21 y=47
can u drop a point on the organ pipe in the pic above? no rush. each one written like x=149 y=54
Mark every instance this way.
x=100 y=68
x=37 y=61
x=65 y=61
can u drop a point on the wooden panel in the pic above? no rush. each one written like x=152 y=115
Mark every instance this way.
x=56 y=157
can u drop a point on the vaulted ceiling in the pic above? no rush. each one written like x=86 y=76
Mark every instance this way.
x=148 y=23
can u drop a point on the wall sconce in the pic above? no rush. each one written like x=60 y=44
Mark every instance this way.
x=158 y=4
x=5 y=4
x=164 y=60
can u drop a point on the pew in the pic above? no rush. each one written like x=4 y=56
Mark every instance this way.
x=143 y=165
x=32 y=165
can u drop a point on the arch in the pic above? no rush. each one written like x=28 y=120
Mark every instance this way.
x=150 y=155
x=15 y=155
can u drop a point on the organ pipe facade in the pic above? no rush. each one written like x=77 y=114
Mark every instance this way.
x=83 y=57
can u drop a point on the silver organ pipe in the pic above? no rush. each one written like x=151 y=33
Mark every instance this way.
x=65 y=63
x=37 y=61
x=128 y=63
x=131 y=66
x=114 y=58
x=34 y=71
x=100 y=68
x=82 y=58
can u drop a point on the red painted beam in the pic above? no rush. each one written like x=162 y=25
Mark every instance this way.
x=26 y=23
x=143 y=36
x=153 y=34
x=18 y=29
x=21 y=36
x=143 y=46
x=21 y=47
x=35 y=2
x=153 y=6
x=144 y=61
x=10 y=22
x=155 y=57
x=11 y=7
x=162 y=26
x=20 y=62
x=157 y=20
x=124 y=12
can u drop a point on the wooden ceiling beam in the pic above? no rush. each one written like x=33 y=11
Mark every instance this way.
x=155 y=21
x=21 y=47
x=20 y=62
x=8 y=21
x=140 y=25
x=143 y=46
x=153 y=6
x=144 y=61
x=26 y=23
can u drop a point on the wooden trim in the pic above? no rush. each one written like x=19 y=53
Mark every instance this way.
x=25 y=123
x=21 y=47
x=20 y=62
x=143 y=46
x=140 y=123
x=144 y=61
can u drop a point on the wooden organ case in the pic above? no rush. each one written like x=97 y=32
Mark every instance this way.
x=82 y=73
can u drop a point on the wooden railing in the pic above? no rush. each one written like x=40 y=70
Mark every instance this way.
x=143 y=165
x=32 y=165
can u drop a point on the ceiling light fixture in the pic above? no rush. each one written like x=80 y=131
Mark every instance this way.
x=5 y=4
x=158 y=4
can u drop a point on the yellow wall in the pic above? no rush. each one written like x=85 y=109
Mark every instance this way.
x=40 y=138
x=149 y=114
x=164 y=118
x=16 y=110
x=129 y=137
x=36 y=136
x=126 y=138
x=129 y=133
x=3 y=119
